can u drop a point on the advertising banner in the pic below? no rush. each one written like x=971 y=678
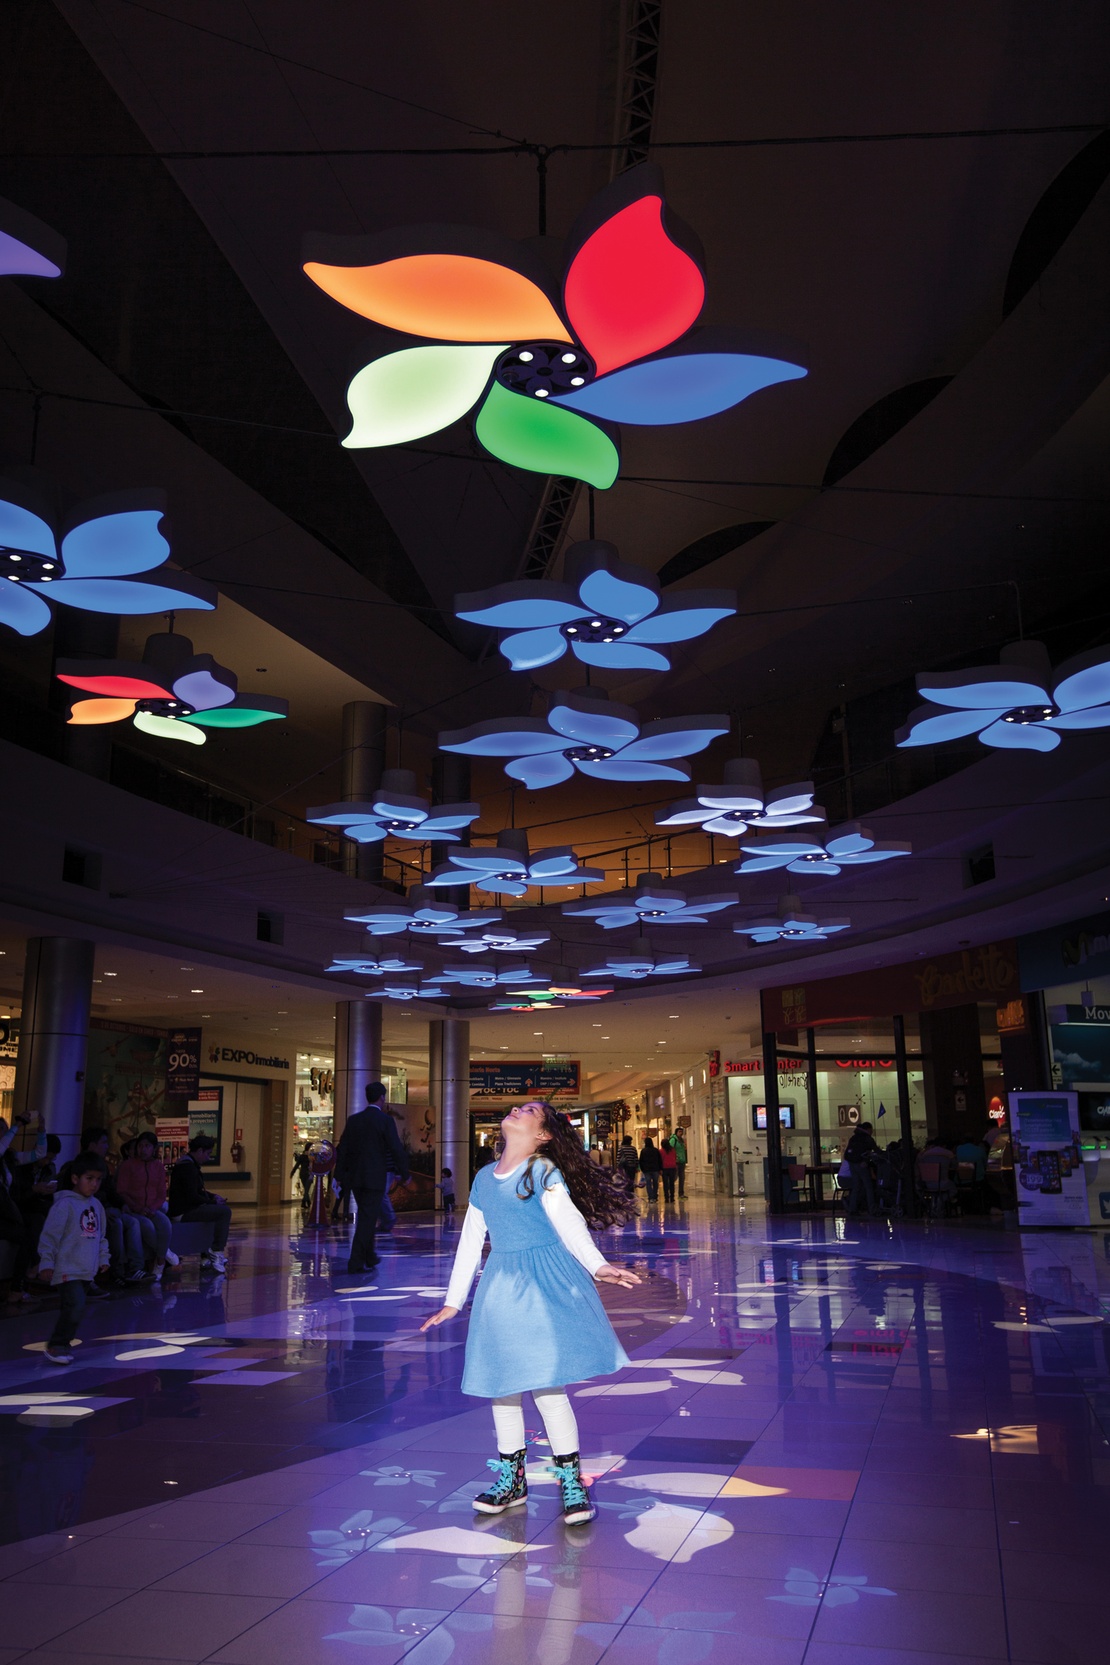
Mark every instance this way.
x=538 y=1079
x=206 y=1115
x=183 y=1063
x=1048 y=1161
x=1066 y=953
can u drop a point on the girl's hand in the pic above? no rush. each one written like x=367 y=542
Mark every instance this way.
x=616 y=1274
x=439 y=1317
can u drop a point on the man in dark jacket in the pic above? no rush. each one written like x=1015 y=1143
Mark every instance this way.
x=860 y=1154
x=369 y=1149
x=189 y=1200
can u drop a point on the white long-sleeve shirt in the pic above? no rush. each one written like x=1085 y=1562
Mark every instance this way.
x=573 y=1232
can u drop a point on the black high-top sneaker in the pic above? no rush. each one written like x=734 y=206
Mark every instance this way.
x=578 y=1506
x=509 y=1489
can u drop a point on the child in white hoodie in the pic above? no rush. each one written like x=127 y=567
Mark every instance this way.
x=73 y=1248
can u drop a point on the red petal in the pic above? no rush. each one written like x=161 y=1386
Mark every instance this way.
x=630 y=290
x=119 y=687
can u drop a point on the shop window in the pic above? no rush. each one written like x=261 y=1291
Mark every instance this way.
x=979 y=865
x=81 y=867
x=271 y=927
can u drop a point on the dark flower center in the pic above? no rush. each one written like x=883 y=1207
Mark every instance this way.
x=166 y=708
x=814 y=856
x=544 y=368
x=1023 y=715
x=597 y=629
x=401 y=825
x=23 y=566
x=588 y=754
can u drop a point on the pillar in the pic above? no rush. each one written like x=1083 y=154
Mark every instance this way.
x=54 y=1035
x=813 y=1103
x=449 y=1081
x=775 y=1201
x=358 y=1056
x=952 y=1067
x=363 y=762
x=905 y=1127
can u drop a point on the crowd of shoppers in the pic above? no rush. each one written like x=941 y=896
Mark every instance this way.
x=653 y=1163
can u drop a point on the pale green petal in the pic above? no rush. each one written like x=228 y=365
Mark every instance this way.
x=415 y=392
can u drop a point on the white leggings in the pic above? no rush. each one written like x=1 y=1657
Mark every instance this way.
x=558 y=1421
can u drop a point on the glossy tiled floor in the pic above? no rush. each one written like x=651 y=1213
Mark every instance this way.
x=839 y=1442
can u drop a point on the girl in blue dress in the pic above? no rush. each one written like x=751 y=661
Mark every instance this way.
x=537 y=1322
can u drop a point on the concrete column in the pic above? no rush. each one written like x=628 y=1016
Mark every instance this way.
x=905 y=1128
x=449 y=1081
x=363 y=762
x=775 y=1203
x=358 y=1056
x=54 y=1035
x=813 y=1103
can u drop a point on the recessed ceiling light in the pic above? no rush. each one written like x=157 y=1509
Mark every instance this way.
x=186 y=968
x=196 y=991
x=111 y=974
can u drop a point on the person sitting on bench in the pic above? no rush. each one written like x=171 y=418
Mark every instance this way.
x=190 y=1201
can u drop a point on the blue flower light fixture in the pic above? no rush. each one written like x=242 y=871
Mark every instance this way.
x=650 y=903
x=397 y=811
x=607 y=613
x=423 y=914
x=490 y=977
x=507 y=868
x=390 y=966
x=1019 y=704
x=638 y=967
x=790 y=924
x=740 y=802
x=588 y=732
x=27 y=247
x=99 y=562
x=822 y=854
x=498 y=939
x=410 y=991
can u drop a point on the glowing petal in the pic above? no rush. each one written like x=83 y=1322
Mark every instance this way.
x=927 y=727
x=630 y=290
x=245 y=711
x=529 y=649
x=101 y=711
x=167 y=728
x=494 y=738
x=448 y=818
x=1097 y=716
x=538 y=772
x=985 y=690
x=682 y=388
x=523 y=605
x=204 y=690
x=763 y=864
x=111 y=546
x=1083 y=684
x=451 y=297
x=533 y=435
x=689 y=812
x=20 y=529
x=667 y=737
x=21 y=610
x=1028 y=737
x=593 y=722
x=619 y=656
x=681 y=621
x=622 y=598
x=129 y=688
x=617 y=768
x=125 y=596
x=418 y=391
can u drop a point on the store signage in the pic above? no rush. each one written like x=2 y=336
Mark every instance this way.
x=987 y=973
x=1096 y=1015
x=1011 y=1017
x=715 y=1063
x=183 y=1063
x=754 y=1066
x=237 y=1055
x=9 y=1038
x=1054 y=956
x=517 y=1079
x=864 y=1063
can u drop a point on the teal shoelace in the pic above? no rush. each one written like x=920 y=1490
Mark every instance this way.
x=503 y=1469
x=574 y=1492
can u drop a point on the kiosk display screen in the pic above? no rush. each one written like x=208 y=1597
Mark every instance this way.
x=759 y=1117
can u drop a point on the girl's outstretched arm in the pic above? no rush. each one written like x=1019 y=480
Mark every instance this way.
x=468 y=1258
x=574 y=1234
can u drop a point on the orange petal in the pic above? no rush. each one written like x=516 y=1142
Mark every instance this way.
x=101 y=711
x=449 y=297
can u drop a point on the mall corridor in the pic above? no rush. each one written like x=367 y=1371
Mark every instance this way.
x=838 y=1442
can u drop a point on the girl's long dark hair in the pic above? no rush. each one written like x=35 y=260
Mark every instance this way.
x=601 y=1195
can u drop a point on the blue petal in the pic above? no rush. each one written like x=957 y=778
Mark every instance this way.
x=863 y=856
x=678 y=624
x=497 y=887
x=762 y=864
x=530 y=649
x=825 y=868
x=530 y=737
x=667 y=738
x=441 y=820
x=21 y=610
x=203 y=690
x=618 y=768
x=1028 y=737
x=553 y=864
x=20 y=529
x=599 y=725
x=618 y=598
x=619 y=656
x=111 y=545
x=1096 y=716
x=1087 y=686
x=544 y=604
x=985 y=690
x=365 y=832
x=120 y=595
x=617 y=918
x=538 y=772
x=927 y=727
x=682 y=388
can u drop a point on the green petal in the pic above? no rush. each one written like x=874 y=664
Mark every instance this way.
x=248 y=715
x=166 y=728
x=528 y=433
x=403 y=396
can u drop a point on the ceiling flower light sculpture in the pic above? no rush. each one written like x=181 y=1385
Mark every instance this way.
x=507 y=868
x=588 y=732
x=489 y=977
x=102 y=560
x=740 y=803
x=607 y=613
x=424 y=914
x=820 y=853
x=410 y=991
x=388 y=966
x=548 y=378
x=27 y=247
x=790 y=924
x=171 y=692
x=638 y=967
x=1019 y=704
x=546 y=999
x=498 y=939
x=397 y=811
x=650 y=903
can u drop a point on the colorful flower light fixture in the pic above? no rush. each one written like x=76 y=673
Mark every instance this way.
x=394 y=965
x=424 y=914
x=790 y=924
x=820 y=853
x=740 y=803
x=100 y=562
x=588 y=732
x=638 y=967
x=27 y=247
x=507 y=868
x=171 y=692
x=498 y=939
x=397 y=811
x=1019 y=704
x=546 y=999
x=548 y=382
x=607 y=613
x=651 y=903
